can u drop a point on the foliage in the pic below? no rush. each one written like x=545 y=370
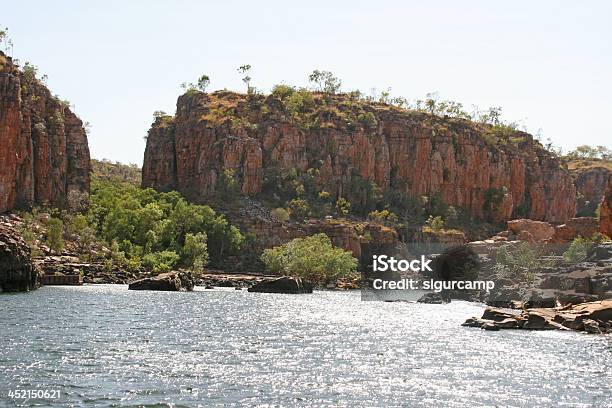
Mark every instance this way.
x=280 y=214
x=383 y=217
x=343 y=206
x=580 y=246
x=298 y=209
x=195 y=250
x=116 y=172
x=590 y=152
x=519 y=262
x=244 y=70
x=435 y=223
x=203 y=83
x=55 y=232
x=325 y=81
x=227 y=185
x=160 y=262
x=312 y=258
x=144 y=222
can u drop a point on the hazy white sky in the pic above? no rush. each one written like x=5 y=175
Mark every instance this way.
x=547 y=63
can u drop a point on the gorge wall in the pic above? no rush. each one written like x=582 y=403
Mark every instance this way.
x=347 y=142
x=44 y=153
x=590 y=178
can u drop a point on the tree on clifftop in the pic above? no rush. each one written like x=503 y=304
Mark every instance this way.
x=325 y=81
x=244 y=70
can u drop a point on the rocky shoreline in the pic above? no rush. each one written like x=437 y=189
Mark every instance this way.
x=590 y=317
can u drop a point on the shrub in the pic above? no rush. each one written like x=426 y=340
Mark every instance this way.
x=519 y=262
x=280 y=214
x=55 y=230
x=283 y=91
x=298 y=209
x=228 y=186
x=343 y=206
x=160 y=262
x=383 y=217
x=313 y=258
x=577 y=251
x=435 y=223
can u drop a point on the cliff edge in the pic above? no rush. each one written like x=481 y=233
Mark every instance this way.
x=43 y=145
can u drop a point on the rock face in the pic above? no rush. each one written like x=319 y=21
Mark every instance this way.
x=283 y=284
x=605 y=212
x=170 y=281
x=43 y=145
x=591 y=317
x=457 y=160
x=543 y=232
x=591 y=179
x=17 y=271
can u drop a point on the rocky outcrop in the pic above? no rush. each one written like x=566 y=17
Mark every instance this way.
x=541 y=232
x=170 y=281
x=17 y=271
x=591 y=317
x=351 y=144
x=43 y=145
x=283 y=284
x=605 y=211
x=591 y=179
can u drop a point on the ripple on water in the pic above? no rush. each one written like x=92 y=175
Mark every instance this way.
x=105 y=346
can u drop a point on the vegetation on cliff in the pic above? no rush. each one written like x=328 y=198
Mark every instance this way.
x=129 y=227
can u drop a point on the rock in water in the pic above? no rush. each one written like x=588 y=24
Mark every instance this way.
x=591 y=317
x=17 y=271
x=284 y=284
x=170 y=281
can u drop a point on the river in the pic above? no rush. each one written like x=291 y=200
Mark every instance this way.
x=105 y=346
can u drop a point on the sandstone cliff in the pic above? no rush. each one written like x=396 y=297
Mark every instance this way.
x=17 y=271
x=350 y=143
x=605 y=212
x=43 y=145
x=590 y=178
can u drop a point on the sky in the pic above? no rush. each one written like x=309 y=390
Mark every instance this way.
x=546 y=63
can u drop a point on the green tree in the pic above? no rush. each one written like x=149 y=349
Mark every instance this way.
x=325 y=81
x=245 y=70
x=203 y=83
x=313 y=258
x=195 y=250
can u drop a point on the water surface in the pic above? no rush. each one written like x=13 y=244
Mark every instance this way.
x=105 y=346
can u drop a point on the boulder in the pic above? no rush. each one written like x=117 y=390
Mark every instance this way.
x=17 y=270
x=539 y=231
x=434 y=298
x=170 y=281
x=284 y=284
x=584 y=226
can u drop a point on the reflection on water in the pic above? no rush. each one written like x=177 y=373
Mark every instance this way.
x=105 y=346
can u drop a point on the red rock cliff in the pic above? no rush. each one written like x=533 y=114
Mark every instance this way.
x=605 y=211
x=590 y=178
x=350 y=142
x=43 y=145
